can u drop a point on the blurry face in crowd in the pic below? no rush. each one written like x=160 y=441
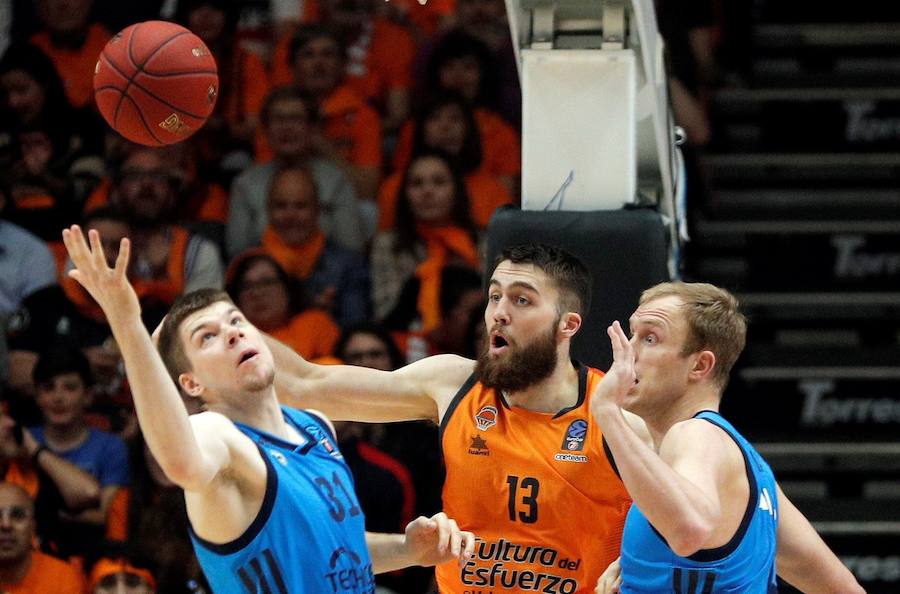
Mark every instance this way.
x=123 y=583
x=208 y=23
x=430 y=190
x=263 y=297
x=147 y=187
x=16 y=524
x=9 y=447
x=287 y=129
x=367 y=350
x=63 y=399
x=111 y=234
x=318 y=65
x=445 y=129
x=293 y=207
x=23 y=94
x=65 y=16
x=462 y=75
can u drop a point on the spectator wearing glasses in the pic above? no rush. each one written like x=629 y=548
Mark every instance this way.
x=24 y=570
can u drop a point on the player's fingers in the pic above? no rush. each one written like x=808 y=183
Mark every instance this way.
x=455 y=537
x=467 y=549
x=74 y=241
x=122 y=258
x=97 y=249
x=443 y=528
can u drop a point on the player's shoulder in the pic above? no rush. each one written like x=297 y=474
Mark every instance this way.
x=697 y=437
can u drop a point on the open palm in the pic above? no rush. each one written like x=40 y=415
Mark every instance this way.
x=621 y=376
x=108 y=286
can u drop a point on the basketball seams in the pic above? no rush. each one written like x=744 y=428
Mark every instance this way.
x=140 y=113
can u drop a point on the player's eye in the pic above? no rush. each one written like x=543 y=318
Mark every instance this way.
x=651 y=339
x=523 y=300
x=236 y=321
x=495 y=297
x=207 y=336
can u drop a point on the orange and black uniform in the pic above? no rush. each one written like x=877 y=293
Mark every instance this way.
x=539 y=490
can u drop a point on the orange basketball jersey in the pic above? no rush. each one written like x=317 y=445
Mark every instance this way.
x=538 y=490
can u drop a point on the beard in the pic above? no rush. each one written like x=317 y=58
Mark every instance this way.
x=519 y=368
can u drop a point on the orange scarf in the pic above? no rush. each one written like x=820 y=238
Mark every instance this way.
x=297 y=260
x=441 y=243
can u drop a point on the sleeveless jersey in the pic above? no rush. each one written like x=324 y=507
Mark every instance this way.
x=745 y=564
x=539 y=491
x=309 y=535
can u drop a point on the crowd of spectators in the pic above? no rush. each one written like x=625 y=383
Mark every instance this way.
x=339 y=192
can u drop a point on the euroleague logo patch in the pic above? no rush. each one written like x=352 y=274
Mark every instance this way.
x=574 y=439
x=486 y=418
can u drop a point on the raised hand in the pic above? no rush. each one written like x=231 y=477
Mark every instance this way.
x=108 y=286
x=435 y=540
x=621 y=376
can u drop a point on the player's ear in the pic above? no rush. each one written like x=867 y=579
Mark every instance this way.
x=704 y=364
x=569 y=323
x=189 y=385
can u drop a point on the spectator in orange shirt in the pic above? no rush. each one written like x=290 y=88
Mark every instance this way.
x=380 y=55
x=24 y=570
x=243 y=83
x=336 y=279
x=350 y=129
x=73 y=43
x=273 y=302
x=447 y=124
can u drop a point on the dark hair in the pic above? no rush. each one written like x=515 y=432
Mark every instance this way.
x=570 y=275
x=240 y=264
x=61 y=360
x=170 y=346
x=376 y=330
x=285 y=93
x=230 y=8
x=456 y=281
x=456 y=45
x=23 y=56
x=405 y=222
x=470 y=156
x=308 y=33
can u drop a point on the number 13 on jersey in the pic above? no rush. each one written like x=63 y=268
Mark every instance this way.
x=523 y=504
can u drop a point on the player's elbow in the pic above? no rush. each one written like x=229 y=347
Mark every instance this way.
x=690 y=537
x=184 y=473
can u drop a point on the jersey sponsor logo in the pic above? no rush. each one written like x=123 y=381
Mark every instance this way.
x=478 y=447
x=570 y=457
x=347 y=573
x=574 y=439
x=506 y=566
x=486 y=418
x=324 y=441
x=279 y=457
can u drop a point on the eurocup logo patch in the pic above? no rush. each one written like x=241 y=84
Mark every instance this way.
x=574 y=439
x=323 y=440
x=486 y=418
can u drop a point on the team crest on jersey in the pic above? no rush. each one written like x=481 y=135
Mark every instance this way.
x=478 y=447
x=323 y=440
x=486 y=418
x=279 y=457
x=574 y=439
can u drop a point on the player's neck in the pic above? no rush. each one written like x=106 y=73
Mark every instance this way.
x=260 y=411
x=697 y=399
x=557 y=391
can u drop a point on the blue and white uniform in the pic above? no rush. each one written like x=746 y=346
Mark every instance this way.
x=309 y=535
x=745 y=564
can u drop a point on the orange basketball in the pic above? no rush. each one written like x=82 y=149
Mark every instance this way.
x=155 y=83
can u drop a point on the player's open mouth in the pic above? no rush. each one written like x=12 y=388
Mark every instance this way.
x=499 y=344
x=247 y=355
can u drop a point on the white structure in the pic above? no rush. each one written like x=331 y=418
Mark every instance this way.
x=596 y=125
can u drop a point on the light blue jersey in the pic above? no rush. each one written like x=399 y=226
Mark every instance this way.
x=309 y=535
x=746 y=564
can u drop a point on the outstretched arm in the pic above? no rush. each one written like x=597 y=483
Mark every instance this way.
x=349 y=393
x=804 y=560
x=427 y=542
x=160 y=411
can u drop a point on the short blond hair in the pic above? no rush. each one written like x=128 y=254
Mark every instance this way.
x=715 y=322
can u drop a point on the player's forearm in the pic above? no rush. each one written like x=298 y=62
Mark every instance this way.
x=388 y=552
x=160 y=410
x=671 y=503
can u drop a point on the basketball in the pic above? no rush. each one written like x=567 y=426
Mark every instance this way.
x=155 y=83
